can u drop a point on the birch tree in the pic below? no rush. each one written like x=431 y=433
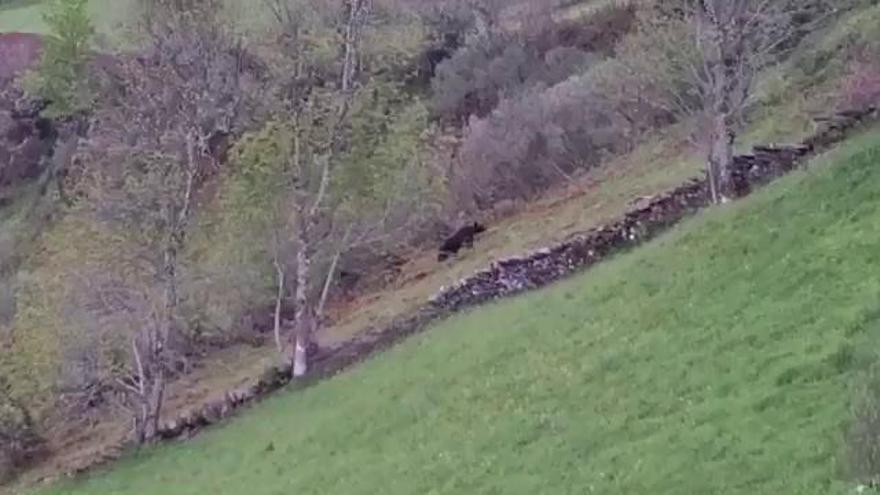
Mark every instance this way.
x=315 y=128
x=329 y=153
x=735 y=41
x=700 y=60
x=149 y=155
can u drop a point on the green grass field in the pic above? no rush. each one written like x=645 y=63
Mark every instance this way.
x=113 y=19
x=25 y=17
x=109 y=15
x=719 y=359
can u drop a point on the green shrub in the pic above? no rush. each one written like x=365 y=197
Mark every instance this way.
x=62 y=75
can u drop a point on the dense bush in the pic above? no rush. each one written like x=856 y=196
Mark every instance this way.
x=598 y=33
x=477 y=77
x=861 y=86
x=650 y=81
x=569 y=108
x=537 y=139
x=474 y=79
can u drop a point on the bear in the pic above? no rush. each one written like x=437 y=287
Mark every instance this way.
x=464 y=237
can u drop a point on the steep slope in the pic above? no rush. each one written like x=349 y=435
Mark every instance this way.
x=717 y=359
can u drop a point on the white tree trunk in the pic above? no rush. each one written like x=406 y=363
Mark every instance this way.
x=721 y=160
x=724 y=155
x=279 y=298
x=356 y=18
x=303 y=317
x=300 y=356
x=154 y=403
x=713 y=19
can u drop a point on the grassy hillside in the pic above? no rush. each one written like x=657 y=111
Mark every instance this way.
x=111 y=17
x=24 y=16
x=718 y=359
x=27 y=16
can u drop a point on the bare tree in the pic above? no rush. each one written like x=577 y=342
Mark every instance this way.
x=315 y=128
x=310 y=203
x=150 y=153
x=735 y=40
x=314 y=151
x=700 y=60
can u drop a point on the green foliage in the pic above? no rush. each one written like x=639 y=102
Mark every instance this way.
x=250 y=224
x=62 y=77
x=233 y=244
x=652 y=71
x=825 y=56
x=386 y=138
x=384 y=141
x=111 y=17
x=142 y=199
x=228 y=272
x=259 y=177
x=31 y=364
x=717 y=359
x=393 y=42
x=51 y=335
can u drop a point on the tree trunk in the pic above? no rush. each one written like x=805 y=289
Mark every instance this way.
x=720 y=160
x=149 y=406
x=152 y=371
x=725 y=163
x=140 y=422
x=358 y=10
x=727 y=87
x=303 y=317
x=279 y=298
x=300 y=364
x=154 y=403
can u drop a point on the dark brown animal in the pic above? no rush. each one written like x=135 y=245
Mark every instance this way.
x=464 y=237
